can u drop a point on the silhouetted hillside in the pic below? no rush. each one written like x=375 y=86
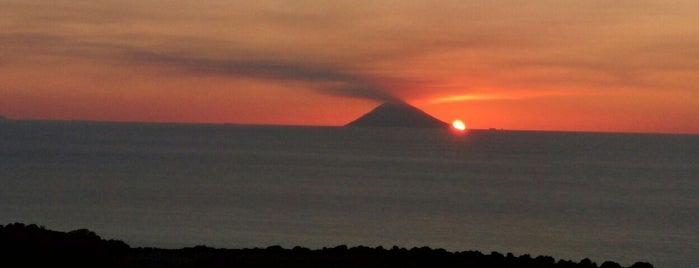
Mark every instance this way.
x=33 y=246
x=397 y=115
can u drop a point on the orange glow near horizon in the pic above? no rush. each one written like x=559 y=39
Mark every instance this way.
x=136 y=61
x=502 y=94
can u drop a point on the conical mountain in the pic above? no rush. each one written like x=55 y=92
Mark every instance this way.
x=397 y=114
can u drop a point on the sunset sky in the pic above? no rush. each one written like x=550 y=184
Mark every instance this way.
x=592 y=65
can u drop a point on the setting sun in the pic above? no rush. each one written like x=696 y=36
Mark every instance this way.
x=458 y=125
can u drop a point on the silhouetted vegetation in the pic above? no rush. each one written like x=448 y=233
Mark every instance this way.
x=33 y=246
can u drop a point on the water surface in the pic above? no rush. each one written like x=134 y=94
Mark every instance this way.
x=620 y=197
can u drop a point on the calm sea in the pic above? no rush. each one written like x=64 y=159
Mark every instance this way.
x=620 y=197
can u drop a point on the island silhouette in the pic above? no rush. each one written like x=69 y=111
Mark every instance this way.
x=397 y=114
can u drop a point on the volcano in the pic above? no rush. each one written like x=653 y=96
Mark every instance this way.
x=397 y=114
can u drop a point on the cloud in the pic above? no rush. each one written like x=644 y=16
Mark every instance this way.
x=377 y=50
x=332 y=80
x=328 y=80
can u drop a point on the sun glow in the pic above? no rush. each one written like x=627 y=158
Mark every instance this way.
x=458 y=125
x=470 y=97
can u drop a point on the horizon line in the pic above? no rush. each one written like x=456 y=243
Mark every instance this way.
x=490 y=129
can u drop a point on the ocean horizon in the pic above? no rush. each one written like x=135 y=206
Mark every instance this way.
x=624 y=197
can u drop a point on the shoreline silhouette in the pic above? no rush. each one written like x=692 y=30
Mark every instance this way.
x=32 y=246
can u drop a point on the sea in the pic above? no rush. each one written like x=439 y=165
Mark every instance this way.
x=602 y=196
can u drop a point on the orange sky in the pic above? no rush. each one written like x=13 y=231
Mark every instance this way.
x=595 y=65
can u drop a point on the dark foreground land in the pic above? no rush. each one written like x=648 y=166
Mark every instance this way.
x=34 y=246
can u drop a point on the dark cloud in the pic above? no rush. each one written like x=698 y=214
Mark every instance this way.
x=325 y=79
x=540 y=45
x=328 y=80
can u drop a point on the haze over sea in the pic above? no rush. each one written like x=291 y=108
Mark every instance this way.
x=619 y=197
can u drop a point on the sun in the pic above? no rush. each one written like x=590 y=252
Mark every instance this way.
x=458 y=125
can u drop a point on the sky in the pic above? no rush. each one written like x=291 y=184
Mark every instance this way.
x=592 y=65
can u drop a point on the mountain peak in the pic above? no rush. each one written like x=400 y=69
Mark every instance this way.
x=397 y=114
